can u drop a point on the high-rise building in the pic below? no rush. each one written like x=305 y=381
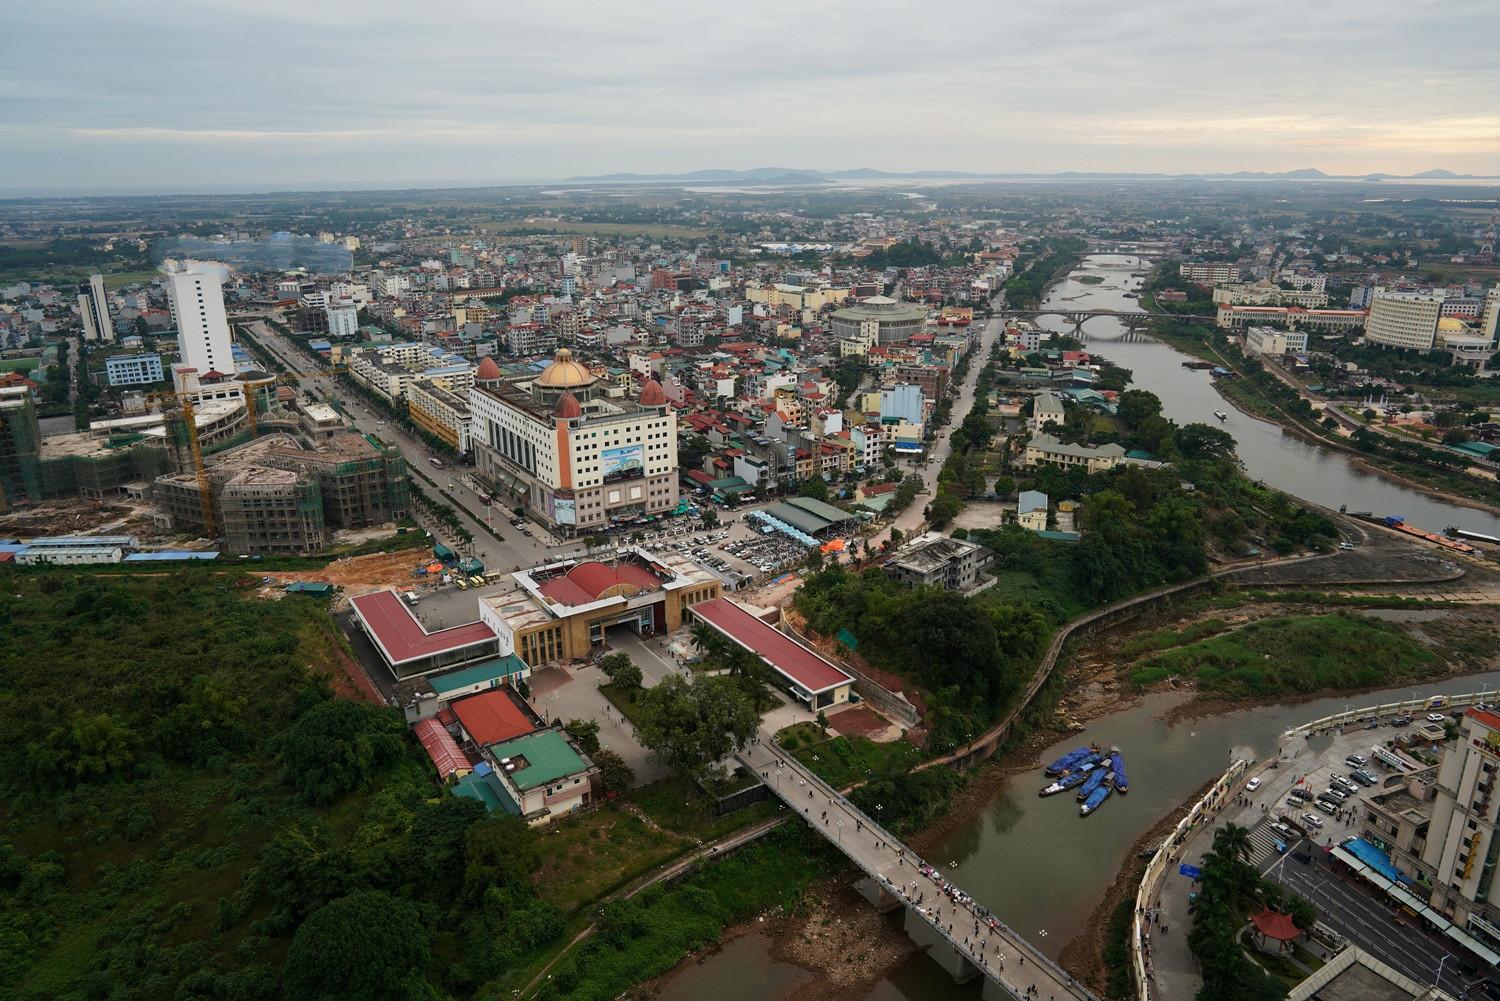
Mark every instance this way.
x=1462 y=850
x=1403 y=319
x=197 y=299
x=343 y=320
x=93 y=306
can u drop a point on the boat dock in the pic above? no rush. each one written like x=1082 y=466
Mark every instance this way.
x=959 y=934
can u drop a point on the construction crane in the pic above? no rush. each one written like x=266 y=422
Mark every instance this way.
x=249 y=386
x=195 y=449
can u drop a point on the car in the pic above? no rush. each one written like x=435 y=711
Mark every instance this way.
x=1253 y=784
x=1436 y=718
x=1338 y=794
x=1339 y=782
x=1346 y=545
x=1356 y=761
x=1326 y=807
x=1283 y=830
x=1402 y=720
x=1311 y=820
x=1363 y=777
x=1300 y=795
x=463 y=585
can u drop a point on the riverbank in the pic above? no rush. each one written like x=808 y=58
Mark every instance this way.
x=1248 y=398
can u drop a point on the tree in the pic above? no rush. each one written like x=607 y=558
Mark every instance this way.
x=585 y=733
x=336 y=747
x=1199 y=442
x=690 y=725
x=1136 y=406
x=615 y=776
x=815 y=487
x=710 y=517
x=367 y=946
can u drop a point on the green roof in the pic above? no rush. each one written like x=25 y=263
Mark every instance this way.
x=820 y=509
x=548 y=755
x=1479 y=448
x=486 y=790
x=478 y=674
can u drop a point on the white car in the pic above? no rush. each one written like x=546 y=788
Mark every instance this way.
x=1436 y=718
x=1312 y=820
x=1253 y=784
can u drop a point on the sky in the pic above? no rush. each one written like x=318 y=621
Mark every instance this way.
x=258 y=95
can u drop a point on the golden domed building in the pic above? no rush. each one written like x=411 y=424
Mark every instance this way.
x=579 y=460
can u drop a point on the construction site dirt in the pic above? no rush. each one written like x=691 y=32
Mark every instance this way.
x=65 y=518
x=362 y=574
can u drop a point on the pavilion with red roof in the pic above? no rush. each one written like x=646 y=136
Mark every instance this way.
x=812 y=679
x=405 y=645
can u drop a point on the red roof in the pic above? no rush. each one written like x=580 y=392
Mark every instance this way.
x=1489 y=719
x=588 y=581
x=787 y=657
x=491 y=717
x=440 y=747
x=1277 y=926
x=402 y=638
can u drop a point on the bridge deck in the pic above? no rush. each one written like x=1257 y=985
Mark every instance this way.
x=1006 y=959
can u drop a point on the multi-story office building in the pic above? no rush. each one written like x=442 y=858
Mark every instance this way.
x=1461 y=852
x=389 y=369
x=578 y=461
x=197 y=299
x=1403 y=319
x=133 y=370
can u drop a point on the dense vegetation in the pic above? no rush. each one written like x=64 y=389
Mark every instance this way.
x=1299 y=653
x=1024 y=290
x=186 y=813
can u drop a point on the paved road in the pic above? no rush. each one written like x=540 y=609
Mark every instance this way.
x=1364 y=919
x=1003 y=956
x=912 y=518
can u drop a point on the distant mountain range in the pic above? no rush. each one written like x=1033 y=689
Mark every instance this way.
x=780 y=176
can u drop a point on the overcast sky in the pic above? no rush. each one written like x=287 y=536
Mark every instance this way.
x=266 y=94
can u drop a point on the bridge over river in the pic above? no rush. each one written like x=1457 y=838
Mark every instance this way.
x=964 y=938
x=1131 y=320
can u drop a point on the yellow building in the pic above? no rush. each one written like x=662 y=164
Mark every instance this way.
x=440 y=413
x=796 y=297
x=562 y=611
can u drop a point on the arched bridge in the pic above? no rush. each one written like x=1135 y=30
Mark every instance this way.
x=1132 y=320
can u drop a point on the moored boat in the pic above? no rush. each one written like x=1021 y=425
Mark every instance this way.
x=1069 y=760
x=1117 y=765
x=1099 y=777
x=1221 y=415
x=1097 y=797
x=1068 y=781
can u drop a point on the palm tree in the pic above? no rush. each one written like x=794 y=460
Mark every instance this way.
x=1232 y=842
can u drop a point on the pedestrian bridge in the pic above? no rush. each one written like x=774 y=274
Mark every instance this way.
x=961 y=935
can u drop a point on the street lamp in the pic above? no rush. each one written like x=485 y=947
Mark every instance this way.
x=1438 y=980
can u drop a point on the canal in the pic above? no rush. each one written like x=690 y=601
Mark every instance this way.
x=1034 y=861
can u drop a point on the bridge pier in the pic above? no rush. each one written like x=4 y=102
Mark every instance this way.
x=883 y=900
x=938 y=948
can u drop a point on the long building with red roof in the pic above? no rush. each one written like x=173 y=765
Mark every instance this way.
x=811 y=678
x=407 y=647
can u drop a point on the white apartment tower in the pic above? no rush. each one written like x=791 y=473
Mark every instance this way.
x=197 y=299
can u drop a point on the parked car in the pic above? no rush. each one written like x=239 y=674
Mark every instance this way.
x=1283 y=830
x=1338 y=794
x=1253 y=784
x=1401 y=720
x=1436 y=718
x=1363 y=777
x=1300 y=795
x=1339 y=782
x=1356 y=760
x=1312 y=820
x=1325 y=807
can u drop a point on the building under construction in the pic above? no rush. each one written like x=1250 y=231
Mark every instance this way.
x=278 y=494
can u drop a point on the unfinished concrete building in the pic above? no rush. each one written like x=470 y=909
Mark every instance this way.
x=275 y=495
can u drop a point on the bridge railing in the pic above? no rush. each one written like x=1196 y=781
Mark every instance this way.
x=1033 y=954
x=1426 y=703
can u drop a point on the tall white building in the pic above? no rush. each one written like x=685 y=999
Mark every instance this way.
x=197 y=299
x=343 y=320
x=1403 y=319
x=93 y=306
x=1462 y=848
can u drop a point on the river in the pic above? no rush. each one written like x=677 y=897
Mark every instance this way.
x=1324 y=476
x=1034 y=861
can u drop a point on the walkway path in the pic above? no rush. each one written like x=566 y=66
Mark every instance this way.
x=982 y=941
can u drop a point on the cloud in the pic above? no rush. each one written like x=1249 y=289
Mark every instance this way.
x=233 y=93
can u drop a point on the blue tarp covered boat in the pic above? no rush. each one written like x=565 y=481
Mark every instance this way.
x=1068 y=781
x=1098 y=796
x=1117 y=762
x=1099 y=777
x=1069 y=760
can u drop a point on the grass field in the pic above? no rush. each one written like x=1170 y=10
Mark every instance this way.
x=19 y=364
x=1296 y=653
x=841 y=761
x=595 y=228
x=123 y=278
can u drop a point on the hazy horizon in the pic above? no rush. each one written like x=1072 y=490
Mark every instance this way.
x=276 y=95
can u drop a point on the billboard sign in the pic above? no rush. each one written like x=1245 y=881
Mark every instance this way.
x=564 y=510
x=624 y=463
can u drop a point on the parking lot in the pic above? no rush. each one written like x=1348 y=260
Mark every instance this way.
x=1296 y=808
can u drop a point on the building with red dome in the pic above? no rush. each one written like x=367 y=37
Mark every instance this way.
x=580 y=455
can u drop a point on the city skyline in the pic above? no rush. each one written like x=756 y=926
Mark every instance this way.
x=277 y=95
